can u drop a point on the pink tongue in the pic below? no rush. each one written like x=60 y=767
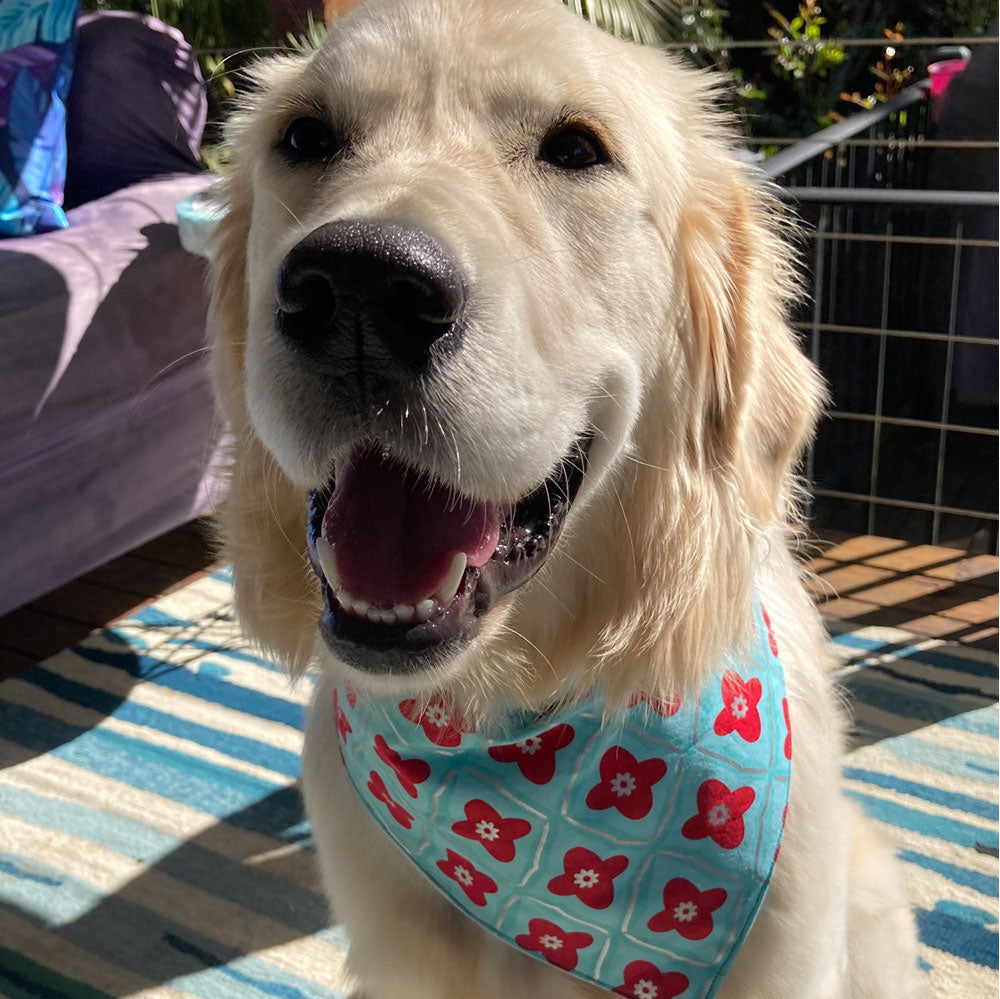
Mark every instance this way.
x=395 y=533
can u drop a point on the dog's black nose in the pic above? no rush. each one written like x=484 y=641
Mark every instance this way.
x=371 y=298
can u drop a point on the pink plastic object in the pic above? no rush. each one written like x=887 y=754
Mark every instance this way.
x=941 y=74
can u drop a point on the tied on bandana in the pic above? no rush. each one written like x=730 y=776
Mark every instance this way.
x=633 y=853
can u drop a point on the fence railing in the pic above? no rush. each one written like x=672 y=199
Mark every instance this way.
x=902 y=321
x=840 y=155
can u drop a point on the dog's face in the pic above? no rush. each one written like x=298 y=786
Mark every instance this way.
x=465 y=236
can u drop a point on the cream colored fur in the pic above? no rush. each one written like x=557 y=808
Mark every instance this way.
x=648 y=302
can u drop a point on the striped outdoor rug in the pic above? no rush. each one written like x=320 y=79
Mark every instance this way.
x=152 y=841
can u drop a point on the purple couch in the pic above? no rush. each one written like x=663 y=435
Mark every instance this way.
x=107 y=433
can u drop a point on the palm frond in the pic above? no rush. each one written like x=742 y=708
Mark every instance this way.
x=646 y=22
x=312 y=39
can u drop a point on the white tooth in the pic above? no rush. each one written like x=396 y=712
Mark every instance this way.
x=360 y=607
x=344 y=599
x=374 y=615
x=327 y=562
x=449 y=585
x=424 y=609
x=403 y=612
x=387 y=617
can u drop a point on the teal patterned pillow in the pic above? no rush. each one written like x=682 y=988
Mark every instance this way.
x=36 y=60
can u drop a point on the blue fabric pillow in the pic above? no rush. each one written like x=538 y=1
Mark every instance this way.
x=36 y=60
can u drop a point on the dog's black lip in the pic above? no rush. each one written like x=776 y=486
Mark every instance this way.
x=411 y=648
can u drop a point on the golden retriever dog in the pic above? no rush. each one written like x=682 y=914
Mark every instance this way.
x=500 y=327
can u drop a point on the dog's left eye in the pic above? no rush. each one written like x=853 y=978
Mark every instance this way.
x=573 y=147
x=308 y=138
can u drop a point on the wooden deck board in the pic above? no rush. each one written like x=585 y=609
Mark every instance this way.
x=931 y=591
x=67 y=615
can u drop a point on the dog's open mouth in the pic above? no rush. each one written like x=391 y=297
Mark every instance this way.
x=409 y=567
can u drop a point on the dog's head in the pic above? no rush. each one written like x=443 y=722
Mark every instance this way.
x=499 y=326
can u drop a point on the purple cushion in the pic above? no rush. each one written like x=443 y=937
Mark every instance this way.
x=105 y=408
x=137 y=105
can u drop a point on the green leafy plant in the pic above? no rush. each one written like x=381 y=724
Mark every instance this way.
x=643 y=21
x=316 y=31
x=812 y=60
x=890 y=74
x=805 y=57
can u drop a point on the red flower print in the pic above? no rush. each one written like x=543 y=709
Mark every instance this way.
x=396 y=810
x=343 y=725
x=352 y=697
x=438 y=720
x=739 y=713
x=588 y=877
x=475 y=884
x=644 y=980
x=409 y=773
x=484 y=824
x=720 y=814
x=556 y=946
x=626 y=783
x=687 y=910
x=536 y=756
x=770 y=634
x=667 y=708
x=788 y=727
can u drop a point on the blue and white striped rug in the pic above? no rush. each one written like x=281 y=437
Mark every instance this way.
x=152 y=842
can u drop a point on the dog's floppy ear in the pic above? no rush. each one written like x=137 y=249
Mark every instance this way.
x=261 y=523
x=227 y=322
x=759 y=396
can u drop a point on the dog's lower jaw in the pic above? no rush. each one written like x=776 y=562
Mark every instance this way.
x=486 y=671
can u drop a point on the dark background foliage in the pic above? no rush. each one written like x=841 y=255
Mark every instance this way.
x=788 y=92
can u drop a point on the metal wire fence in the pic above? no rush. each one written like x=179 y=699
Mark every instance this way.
x=901 y=254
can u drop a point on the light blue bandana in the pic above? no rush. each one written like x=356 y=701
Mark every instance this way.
x=632 y=854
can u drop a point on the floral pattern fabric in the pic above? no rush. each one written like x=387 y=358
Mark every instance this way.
x=631 y=852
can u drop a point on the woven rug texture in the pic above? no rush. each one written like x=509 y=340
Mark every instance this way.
x=152 y=841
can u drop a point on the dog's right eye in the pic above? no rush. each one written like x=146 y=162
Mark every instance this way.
x=307 y=139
